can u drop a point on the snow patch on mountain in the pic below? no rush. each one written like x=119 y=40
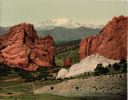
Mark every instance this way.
x=87 y=64
x=64 y=22
x=93 y=26
x=60 y=22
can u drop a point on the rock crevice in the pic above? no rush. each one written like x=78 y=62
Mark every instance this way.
x=22 y=47
x=111 y=42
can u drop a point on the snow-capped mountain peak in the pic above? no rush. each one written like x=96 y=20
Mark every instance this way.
x=64 y=22
x=59 y=22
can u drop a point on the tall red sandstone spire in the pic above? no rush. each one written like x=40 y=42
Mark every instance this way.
x=111 y=42
x=67 y=61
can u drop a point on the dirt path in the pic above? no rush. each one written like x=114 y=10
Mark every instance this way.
x=13 y=94
x=11 y=79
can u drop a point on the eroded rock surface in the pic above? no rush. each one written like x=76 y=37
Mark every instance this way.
x=22 y=47
x=111 y=42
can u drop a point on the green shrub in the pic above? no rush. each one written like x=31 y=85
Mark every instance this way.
x=116 y=68
x=100 y=70
x=24 y=74
x=4 y=70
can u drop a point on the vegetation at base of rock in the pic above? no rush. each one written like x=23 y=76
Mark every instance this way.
x=100 y=70
x=4 y=70
x=116 y=68
x=41 y=74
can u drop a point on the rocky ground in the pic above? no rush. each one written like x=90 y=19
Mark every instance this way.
x=109 y=85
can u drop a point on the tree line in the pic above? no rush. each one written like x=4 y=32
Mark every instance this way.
x=70 y=45
x=116 y=68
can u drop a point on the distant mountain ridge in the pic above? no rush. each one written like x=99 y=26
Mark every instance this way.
x=66 y=34
x=62 y=33
x=63 y=29
x=3 y=30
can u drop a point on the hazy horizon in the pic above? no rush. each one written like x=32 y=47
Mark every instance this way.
x=97 y=12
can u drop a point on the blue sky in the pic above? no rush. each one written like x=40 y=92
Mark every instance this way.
x=84 y=11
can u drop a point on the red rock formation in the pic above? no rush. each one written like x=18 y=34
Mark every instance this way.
x=67 y=61
x=111 y=42
x=22 y=47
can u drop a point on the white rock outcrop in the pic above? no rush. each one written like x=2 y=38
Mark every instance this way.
x=62 y=73
x=87 y=64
